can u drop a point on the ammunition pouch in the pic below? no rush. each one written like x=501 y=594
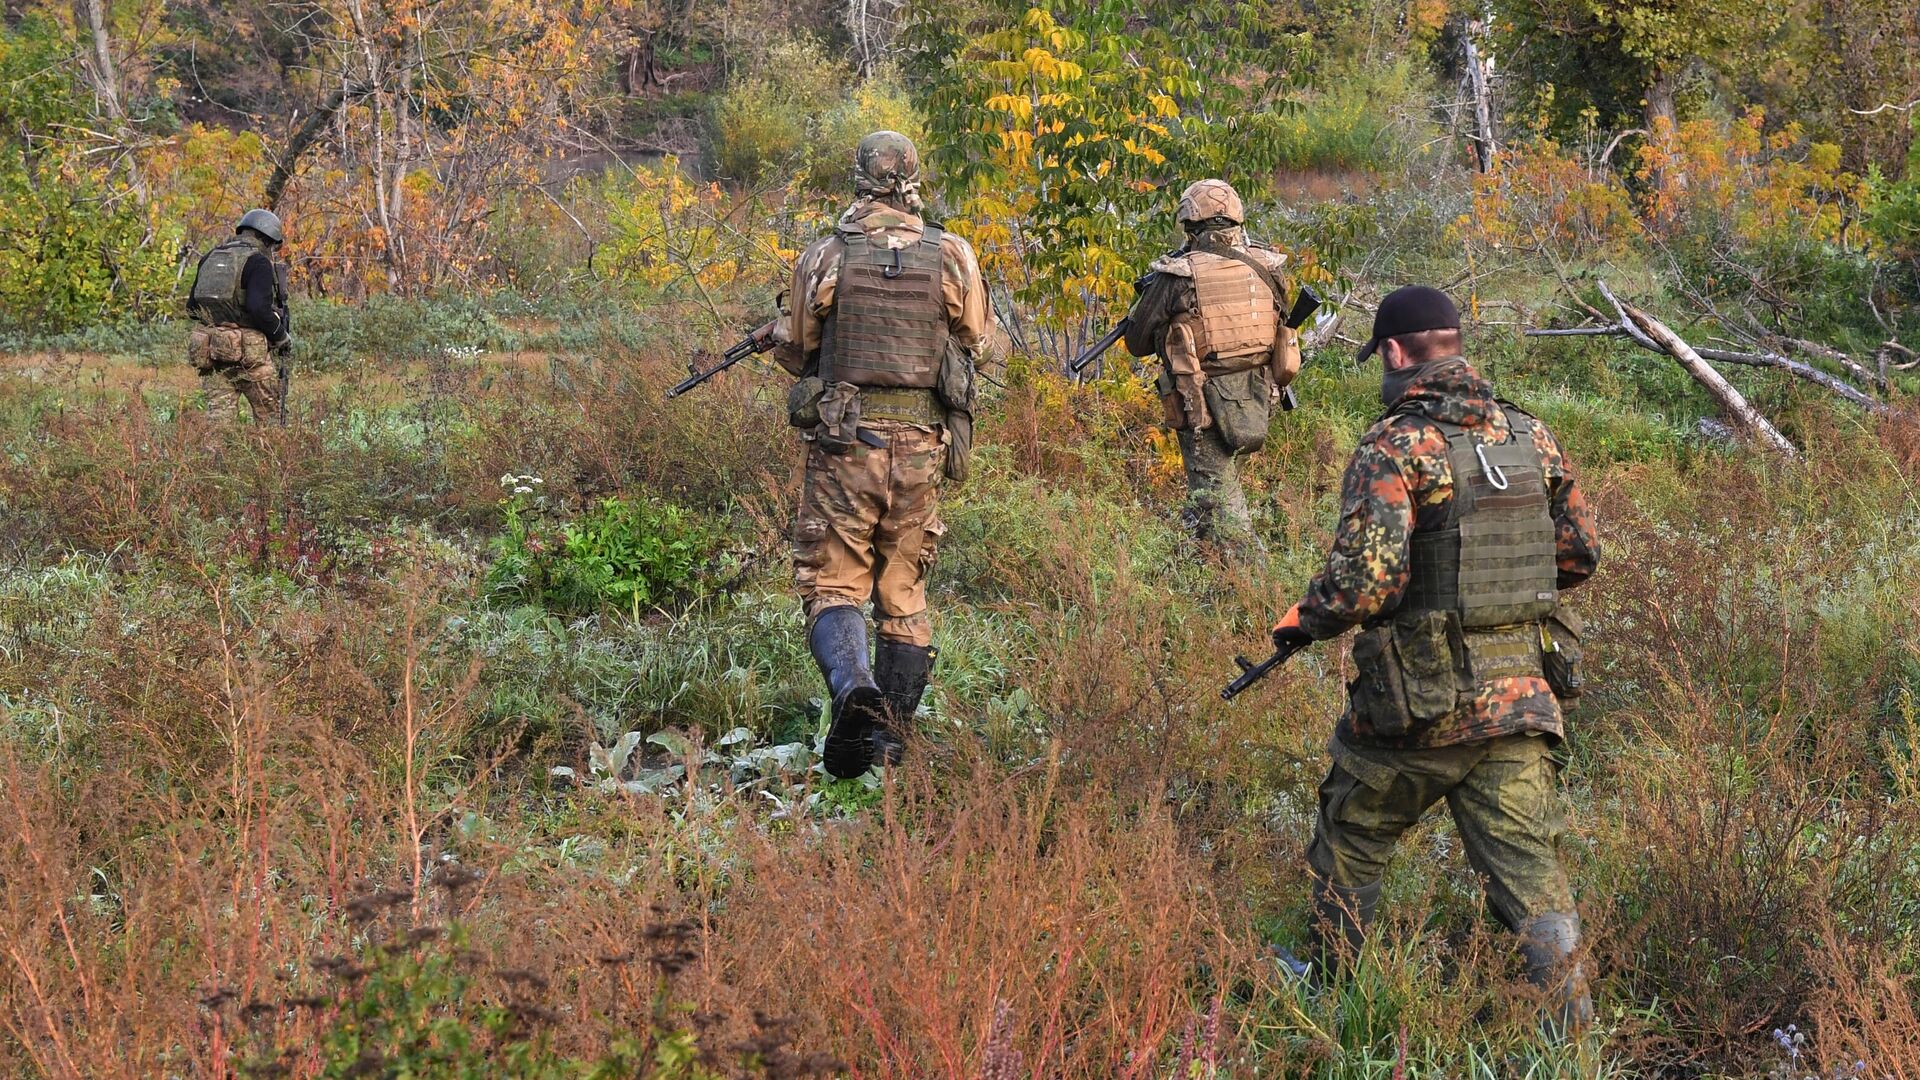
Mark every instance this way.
x=1407 y=673
x=803 y=402
x=1241 y=405
x=958 y=395
x=1561 y=654
x=1173 y=412
x=839 y=426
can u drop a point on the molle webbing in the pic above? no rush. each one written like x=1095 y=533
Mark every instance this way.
x=912 y=405
x=219 y=295
x=1494 y=563
x=888 y=326
x=1236 y=313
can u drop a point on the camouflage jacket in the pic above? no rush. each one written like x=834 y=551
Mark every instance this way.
x=1400 y=482
x=816 y=276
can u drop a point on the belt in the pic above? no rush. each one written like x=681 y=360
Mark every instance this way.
x=907 y=404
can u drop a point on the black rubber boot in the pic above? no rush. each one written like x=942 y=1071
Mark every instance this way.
x=1549 y=942
x=1340 y=920
x=839 y=643
x=901 y=670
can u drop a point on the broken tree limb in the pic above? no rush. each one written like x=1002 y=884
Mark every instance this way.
x=1730 y=398
x=1580 y=331
x=304 y=138
x=1890 y=349
x=1834 y=356
x=1804 y=371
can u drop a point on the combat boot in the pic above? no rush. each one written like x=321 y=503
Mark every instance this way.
x=1341 y=917
x=839 y=644
x=1549 y=942
x=901 y=670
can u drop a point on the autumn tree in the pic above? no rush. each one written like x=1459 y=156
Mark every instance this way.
x=1062 y=133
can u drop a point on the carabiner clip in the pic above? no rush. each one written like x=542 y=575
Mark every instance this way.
x=1495 y=475
x=893 y=271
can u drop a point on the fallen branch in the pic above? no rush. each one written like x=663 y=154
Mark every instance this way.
x=1652 y=334
x=1730 y=398
x=1804 y=371
x=1834 y=356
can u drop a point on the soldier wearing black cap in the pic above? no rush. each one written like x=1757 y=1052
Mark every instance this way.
x=1460 y=526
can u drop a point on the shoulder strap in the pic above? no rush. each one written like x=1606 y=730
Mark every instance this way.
x=1265 y=275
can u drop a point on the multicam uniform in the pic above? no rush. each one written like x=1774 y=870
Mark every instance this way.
x=1471 y=693
x=241 y=303
x=868 y=525
x=1219 y=332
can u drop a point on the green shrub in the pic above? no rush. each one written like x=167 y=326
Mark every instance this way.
x=624 y=554
x=800 y=115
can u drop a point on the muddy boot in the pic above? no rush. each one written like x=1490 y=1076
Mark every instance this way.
x=839 y=643
x=1548 y=942
x=1340 y=920
x=901 y=670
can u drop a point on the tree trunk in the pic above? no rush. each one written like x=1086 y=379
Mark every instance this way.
x=1664 y=124
x=1484 y=145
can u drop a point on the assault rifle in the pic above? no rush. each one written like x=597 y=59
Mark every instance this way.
x=1251 y=672
x=759 y=341
x=1304 y=305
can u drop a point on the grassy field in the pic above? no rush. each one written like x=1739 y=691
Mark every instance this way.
x=282 y=710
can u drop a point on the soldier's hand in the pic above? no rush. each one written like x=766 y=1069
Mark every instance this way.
x=283 y=347
x=1287 y=633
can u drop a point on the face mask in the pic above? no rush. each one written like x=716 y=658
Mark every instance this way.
x=1395 y=384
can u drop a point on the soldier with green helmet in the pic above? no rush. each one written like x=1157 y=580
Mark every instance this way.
x=1215 y=315
x=1461 y=524
x=887 y=313
x=239 y=298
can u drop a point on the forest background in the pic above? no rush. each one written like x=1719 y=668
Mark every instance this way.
x=464 y=725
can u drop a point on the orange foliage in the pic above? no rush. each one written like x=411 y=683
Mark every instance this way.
x=1763 y=184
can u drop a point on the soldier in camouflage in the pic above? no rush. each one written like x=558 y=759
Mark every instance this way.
x=1214 y=314
x=887 y=313
x=239 y=297
x=1461 y=522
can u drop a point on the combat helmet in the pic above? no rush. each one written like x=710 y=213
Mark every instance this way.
x=886 y=163
x=1210 y=200
x=264 y=222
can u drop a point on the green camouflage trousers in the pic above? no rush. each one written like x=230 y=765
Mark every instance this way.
x=1216 y=505
x=1505 y=797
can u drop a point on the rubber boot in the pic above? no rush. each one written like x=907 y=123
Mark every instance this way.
x=1548 y=942
x=901 y=670
x=1340 y=920
x=839 y=643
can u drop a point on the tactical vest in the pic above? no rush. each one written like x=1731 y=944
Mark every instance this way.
x=1494 y=562
x=888 y=326
x=218 y=295
x=1236 y=314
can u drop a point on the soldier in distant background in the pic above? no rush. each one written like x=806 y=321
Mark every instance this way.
x=1460 y=524
x=1215 y=315
x=888 y=311
x=239 y=297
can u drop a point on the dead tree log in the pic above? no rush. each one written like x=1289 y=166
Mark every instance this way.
x=1834 y=356
x=1485 y=147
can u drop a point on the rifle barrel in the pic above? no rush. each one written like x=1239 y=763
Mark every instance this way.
x=1098 y=349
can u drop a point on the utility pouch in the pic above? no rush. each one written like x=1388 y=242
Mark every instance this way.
x=1241 y=406
x=958 y=395
x=803 y=402
x=1172 y=412
x=1285 y=362
x=839 y=426
x=1561 y=655
x=200 y=349
x=1405 y=674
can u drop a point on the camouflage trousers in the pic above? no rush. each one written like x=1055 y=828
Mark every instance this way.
x=1216 y=506
x=868 y=528
x=1505 y=797
x=235 y=362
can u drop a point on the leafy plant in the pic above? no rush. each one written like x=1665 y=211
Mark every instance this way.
x=626 y=554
